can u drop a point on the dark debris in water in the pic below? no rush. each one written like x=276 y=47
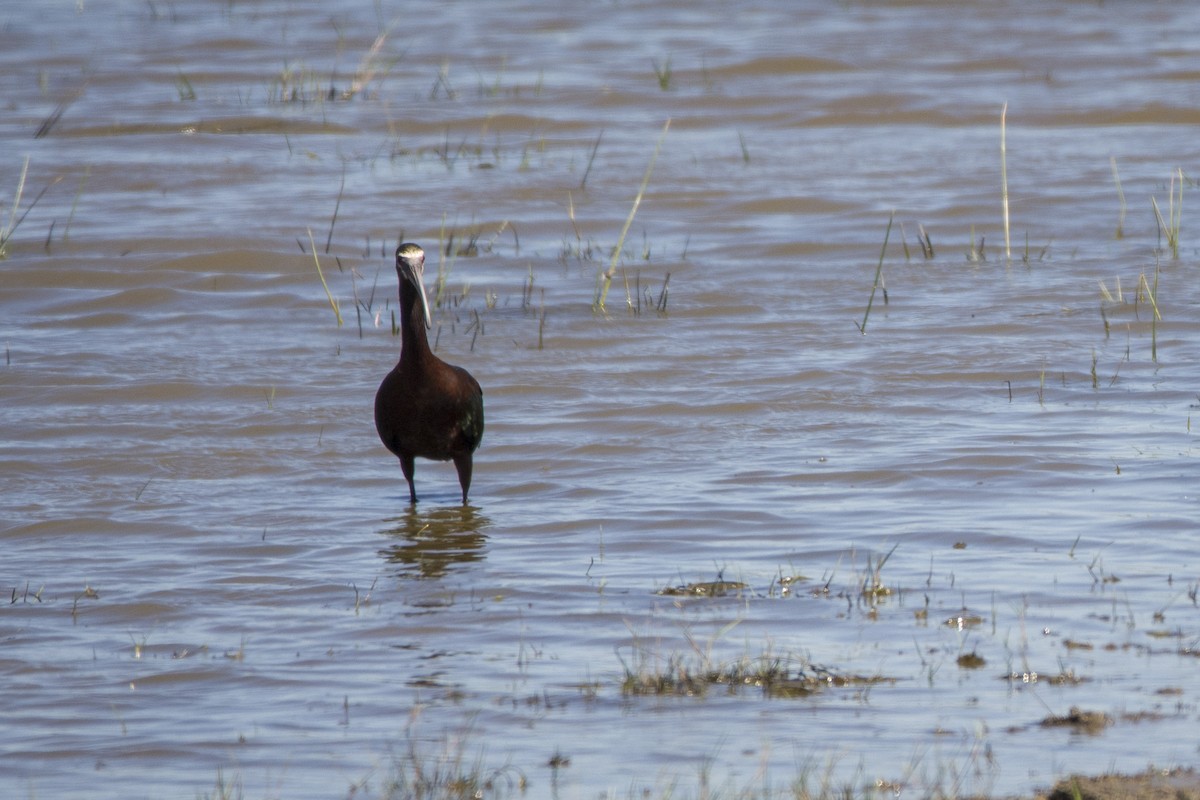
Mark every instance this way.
x=971 y=660
x=1079 y=720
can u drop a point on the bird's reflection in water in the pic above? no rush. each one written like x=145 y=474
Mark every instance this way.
x=428 y=544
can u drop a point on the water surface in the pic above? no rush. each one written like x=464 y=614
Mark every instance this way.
x=210 y=568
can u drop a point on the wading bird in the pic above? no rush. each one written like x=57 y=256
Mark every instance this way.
x=426 y=407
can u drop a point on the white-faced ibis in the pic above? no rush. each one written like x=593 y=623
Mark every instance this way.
x=426 y=407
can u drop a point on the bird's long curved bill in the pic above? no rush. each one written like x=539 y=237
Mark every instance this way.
x=424 y=302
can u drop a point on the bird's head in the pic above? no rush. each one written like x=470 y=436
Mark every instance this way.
x=410 y=266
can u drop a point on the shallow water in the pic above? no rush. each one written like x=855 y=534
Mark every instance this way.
x=210 y=567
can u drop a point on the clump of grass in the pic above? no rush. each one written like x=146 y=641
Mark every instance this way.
x=922 y=239
x=873 y=587
x=663 y=73
x=226 y=789
x=483 y=89
x=638 y=296
x=449 y=775
x=581 y=250
x=184 y=87
x=1170 y=226
x=1041 y=255
x=695 y=676
x=297 y=84
x=1146 y=292
x=24 y=596
x=975 y=252
x=717 y=588
x=926 y=242
x=442 y=83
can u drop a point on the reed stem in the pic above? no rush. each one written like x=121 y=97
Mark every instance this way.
x=605 y=277
x=878 y=274
x=1004 y=181
x=337 y=312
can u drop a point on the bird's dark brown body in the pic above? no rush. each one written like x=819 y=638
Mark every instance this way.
x=426 y=408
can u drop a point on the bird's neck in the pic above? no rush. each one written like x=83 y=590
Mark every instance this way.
x=413 y=339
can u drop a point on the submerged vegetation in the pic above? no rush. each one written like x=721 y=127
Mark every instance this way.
x=418 y=777
x=697 y=674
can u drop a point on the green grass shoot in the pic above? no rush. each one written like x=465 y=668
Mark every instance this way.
x=663 y=73
x=337 y=312
x=1151 y=294
x=336 y=207
x=975 y=250
x=878 y=274
x=184 y=87
x=604 y=278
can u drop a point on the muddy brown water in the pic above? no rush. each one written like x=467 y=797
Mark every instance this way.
x=209 y=569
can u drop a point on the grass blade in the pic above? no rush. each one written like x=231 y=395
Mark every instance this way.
x=878 y=274
x=605 y=277
x=591 y=158
x=14 y=222
x=337 y=312
x=1004 y=182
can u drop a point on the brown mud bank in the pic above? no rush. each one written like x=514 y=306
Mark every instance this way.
x=1179 y=784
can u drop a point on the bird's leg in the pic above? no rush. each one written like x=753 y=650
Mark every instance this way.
x=406 y=466
x=463 y=464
